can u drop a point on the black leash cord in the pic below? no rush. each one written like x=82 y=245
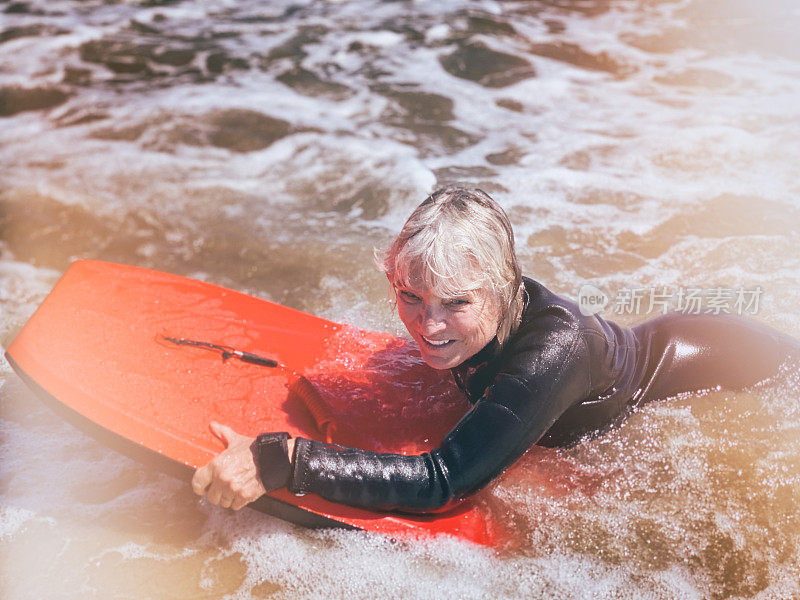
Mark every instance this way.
x=227 y=352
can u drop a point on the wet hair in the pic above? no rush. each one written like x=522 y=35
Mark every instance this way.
x=459 y=241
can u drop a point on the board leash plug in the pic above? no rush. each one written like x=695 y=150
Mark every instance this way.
x=226 y=352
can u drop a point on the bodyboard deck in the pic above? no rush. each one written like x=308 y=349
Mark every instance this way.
x=101 y=351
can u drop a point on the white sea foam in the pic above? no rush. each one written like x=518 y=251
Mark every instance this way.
x=627 y=175
x=12 y=518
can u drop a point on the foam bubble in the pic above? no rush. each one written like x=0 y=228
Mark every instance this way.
x=13 y=518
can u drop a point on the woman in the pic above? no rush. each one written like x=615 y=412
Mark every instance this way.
x=536 y=369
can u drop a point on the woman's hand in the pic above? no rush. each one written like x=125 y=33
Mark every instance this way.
x=231 y=478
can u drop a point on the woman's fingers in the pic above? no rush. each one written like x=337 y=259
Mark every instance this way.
x=245 y=497
x=239 y=502
x=225 y=434
x=231 y=479
x=202 y=479
x=234 y=495
x=214 y=494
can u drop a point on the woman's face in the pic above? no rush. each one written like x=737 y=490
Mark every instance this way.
x=448 y=330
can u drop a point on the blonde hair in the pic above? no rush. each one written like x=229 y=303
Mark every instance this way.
x=457 y=241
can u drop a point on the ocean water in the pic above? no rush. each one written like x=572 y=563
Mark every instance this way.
x=648 y=148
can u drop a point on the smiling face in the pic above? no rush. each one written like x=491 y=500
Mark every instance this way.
x=447 y=330
x=456 y=275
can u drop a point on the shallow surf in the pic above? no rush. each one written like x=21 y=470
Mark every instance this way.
x=642 y=147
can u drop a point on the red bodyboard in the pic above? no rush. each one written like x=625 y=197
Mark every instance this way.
x=97 y=352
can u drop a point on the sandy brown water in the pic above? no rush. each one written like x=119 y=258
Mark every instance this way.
x=637 y=145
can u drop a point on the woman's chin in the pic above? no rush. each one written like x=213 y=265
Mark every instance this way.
x=440 y=363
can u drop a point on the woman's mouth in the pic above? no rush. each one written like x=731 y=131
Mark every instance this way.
x=436 y=343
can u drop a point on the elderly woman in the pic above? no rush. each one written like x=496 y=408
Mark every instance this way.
x=536 y=369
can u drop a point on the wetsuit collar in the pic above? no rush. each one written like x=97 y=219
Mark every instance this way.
x=471 y=376
x=483 y=355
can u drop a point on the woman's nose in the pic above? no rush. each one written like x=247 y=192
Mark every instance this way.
x=432 y=319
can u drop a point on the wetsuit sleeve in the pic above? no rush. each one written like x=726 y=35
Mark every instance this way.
x=516 y=410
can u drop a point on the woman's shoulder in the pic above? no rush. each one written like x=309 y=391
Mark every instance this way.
x=548 y=330
x=542 y=304
x=554 y=320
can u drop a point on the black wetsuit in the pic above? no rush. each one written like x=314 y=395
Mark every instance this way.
x=561 y=375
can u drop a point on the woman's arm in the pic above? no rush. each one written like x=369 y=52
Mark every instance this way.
x=499 y=429
x=496 y=432
x=546 y=372
x=546 y=378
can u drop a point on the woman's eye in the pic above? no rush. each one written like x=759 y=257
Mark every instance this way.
x=457 y=303
x=408 y=297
